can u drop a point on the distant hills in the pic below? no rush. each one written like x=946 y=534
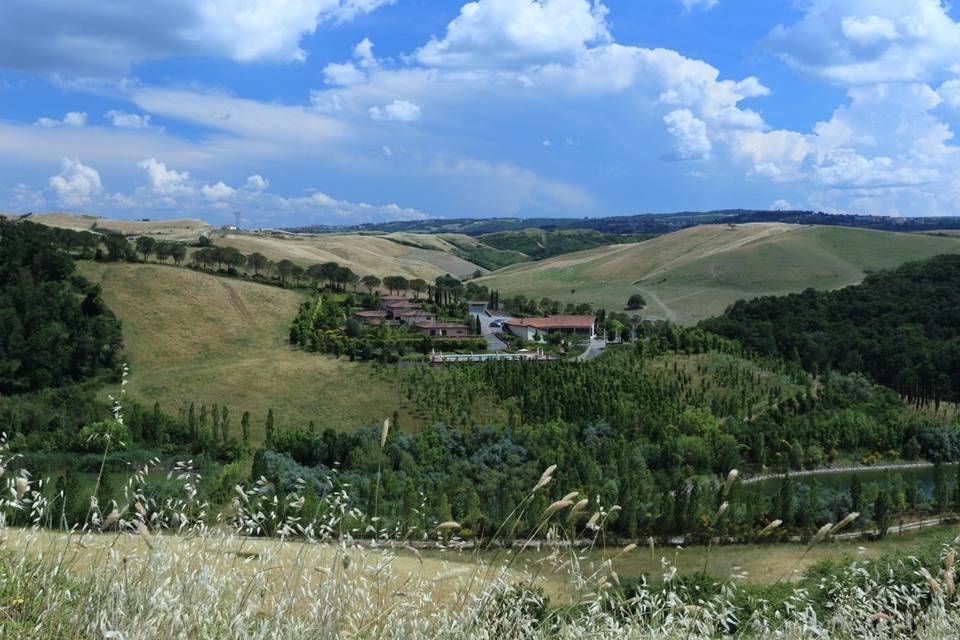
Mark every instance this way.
x=646 y=223
x=696 y=273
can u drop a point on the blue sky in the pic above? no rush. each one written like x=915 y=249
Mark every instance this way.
x=344 y=111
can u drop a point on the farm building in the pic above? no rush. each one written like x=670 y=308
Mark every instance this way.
x=443 y=329
x=386 y=301
x=415 y=316
x=395 y=309
x=370 y=317
x=538 y=328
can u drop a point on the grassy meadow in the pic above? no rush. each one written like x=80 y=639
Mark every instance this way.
x=193 y=337
x=696 y=273
x=180 y=230
x=364 y=254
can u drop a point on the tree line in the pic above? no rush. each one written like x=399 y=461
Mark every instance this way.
x=900 y=327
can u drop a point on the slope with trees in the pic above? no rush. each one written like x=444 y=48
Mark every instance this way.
x=900 y=327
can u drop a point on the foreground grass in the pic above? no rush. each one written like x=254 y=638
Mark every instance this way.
x=194 y=337
x=149 y=567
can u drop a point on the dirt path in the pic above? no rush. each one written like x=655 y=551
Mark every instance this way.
x=850 y=469
x=236 y=300
x=667 y=311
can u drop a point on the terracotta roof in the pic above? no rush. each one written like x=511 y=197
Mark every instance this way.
x=371 y=314
x=416 y=312
x=441 y=325
x=554 y=322
x=403 y=303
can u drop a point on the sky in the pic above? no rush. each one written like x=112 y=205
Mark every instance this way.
x=347 y=111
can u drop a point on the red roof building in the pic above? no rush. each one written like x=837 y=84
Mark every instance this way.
x=533 y=328
x=443 y=329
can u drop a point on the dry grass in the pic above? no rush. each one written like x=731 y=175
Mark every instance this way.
x=165 y=568
x=364 y=254
x=193 y=337
x=696 y=273
x=181 y=229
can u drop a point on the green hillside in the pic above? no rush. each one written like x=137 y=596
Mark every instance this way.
x=696 y=273
x=193 y=337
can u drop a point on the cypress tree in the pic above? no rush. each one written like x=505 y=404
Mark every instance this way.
x=225 y=424
x=269 y=428
x=192 y=421
x=245 y=426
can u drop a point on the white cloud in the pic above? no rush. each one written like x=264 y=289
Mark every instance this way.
x=343 y=74
x=689 y=136
x=165 y=181
x=76 y=184
x=26 y=198
x=72 y=119
x=289 y=126
x=99 y=37
x=217 y=192
x=348 y=73
x=398 y=110
x=950 y=92
x=855 y=42
x=508 y=33
x=782 y=205
x=256 y=182
x=125 y=120
x=870 y=31
x=363 y=52
x=690 y=5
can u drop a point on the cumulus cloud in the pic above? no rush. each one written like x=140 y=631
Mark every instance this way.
x=782 y=205
x=72 y=119
x=256 y=182
x=76 y=184
x=217 y=192
x=885 y=151
x=165 y=181
x=517 y=32
x=107 y=37
x=125 y=120
x=348 y=73
x=398 y=110
x=950 y=92
x=343 y=74
x=854 y=42
x=689 y=136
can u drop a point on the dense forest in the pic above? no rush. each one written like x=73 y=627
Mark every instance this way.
x=900 y=327
x=54 y=328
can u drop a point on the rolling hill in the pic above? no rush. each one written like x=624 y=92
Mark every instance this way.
x=180 y=229
x=364 y=254
x=697 y=272
x=192 y=337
